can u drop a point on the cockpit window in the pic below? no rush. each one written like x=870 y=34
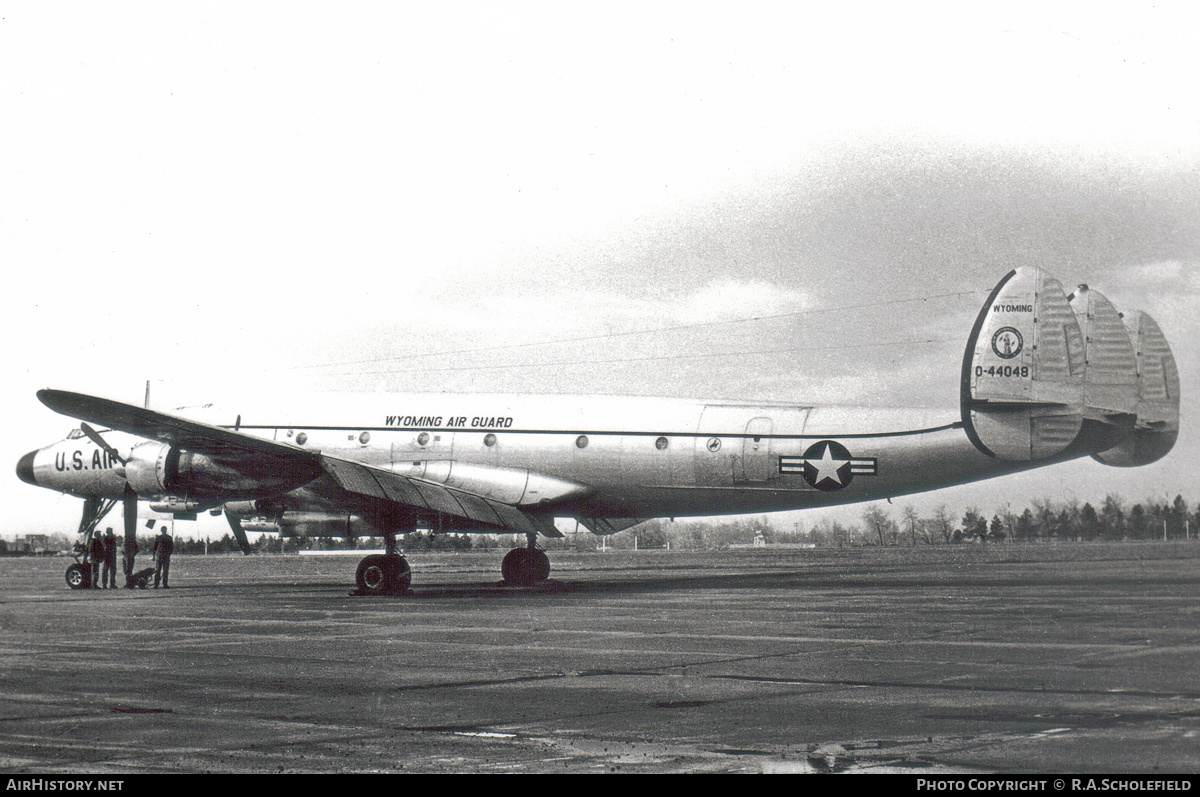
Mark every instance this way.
x=75 y=434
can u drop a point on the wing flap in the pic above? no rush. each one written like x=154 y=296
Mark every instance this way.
x=382 y=483
x=611 y=525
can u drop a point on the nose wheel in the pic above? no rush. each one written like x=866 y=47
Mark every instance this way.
x=524 y=567
x=79 y=577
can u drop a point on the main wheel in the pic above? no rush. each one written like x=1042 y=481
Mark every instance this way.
x=525 y=566
x=79 y=577
x=398 y=574
x=383 y=575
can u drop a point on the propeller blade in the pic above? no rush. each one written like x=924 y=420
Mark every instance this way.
x=129 y=509
x=91 y=505
x=95 y=437
x=239 y=533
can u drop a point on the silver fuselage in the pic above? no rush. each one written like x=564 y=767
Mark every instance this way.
x=638 y=457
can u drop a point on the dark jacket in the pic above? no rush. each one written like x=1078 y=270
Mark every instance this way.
x=110 y=549
x=96 y=549
x=163 y=545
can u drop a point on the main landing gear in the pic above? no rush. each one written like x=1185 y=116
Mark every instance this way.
x=384 y=574
x=524 y=567
x=389 y=573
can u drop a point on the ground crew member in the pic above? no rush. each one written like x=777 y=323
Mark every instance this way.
x=163 y=544
x=95 y=557
x=131 y=550
x=109 y=575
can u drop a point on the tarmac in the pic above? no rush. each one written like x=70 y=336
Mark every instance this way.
x=943 y=660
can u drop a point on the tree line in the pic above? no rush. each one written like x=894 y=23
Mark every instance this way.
x=1115 y=519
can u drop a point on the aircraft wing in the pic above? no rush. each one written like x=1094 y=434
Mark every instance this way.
x=355 y=477
x=166 y=428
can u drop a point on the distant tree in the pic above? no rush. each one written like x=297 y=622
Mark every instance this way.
x=1177 y=517
x=996 y=532
x=1089 y=522
x=911 y=521
x=1138 y=524
x=1112 y=518
x=651 y=535
x=878 y=522
x=1063 y=526
x=1045 y=518
x=974 y=525
x=1008 y=519
x=1026 y=528
x=943 y=523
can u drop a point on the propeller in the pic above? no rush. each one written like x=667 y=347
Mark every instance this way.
x=95 y=437
x=129 y=505
x=239 y=533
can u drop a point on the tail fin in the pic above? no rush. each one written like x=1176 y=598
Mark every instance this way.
x=1044 y=371
x=1022 y=376
x=1157 y=390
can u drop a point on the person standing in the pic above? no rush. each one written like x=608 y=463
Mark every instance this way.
x=163 y=545
x=109 y=574
x=95 y=557
x=131 y=551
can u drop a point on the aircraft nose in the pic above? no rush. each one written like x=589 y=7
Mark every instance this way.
x=25 y=468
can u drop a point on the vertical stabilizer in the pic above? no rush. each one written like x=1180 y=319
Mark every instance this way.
x=1157 y=391
x=1023 y=370
x=1110 y=383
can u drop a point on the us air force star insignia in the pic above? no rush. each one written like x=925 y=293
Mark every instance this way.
x=827 y=465
x=1007 y=342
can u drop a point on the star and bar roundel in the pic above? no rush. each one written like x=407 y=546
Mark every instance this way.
x=828 y=465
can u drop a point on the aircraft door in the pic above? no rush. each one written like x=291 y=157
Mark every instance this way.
x=755 y=464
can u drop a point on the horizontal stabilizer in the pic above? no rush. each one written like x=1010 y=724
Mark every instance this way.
x=1022 y=385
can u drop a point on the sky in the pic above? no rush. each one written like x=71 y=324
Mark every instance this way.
x=234 y=198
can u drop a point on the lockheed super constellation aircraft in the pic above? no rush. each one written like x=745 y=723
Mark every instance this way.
x=1046 y=377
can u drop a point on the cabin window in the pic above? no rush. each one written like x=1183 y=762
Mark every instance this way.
x=423 y=439
x=581 y=441
x=489 y=440
x=661 y=444
x=301 y=439
x=364 y=438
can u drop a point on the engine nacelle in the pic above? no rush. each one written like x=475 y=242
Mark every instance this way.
x=146 y=469
x=173 y=505
x=324 y=524
x=157 y=469
x=301 y=522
